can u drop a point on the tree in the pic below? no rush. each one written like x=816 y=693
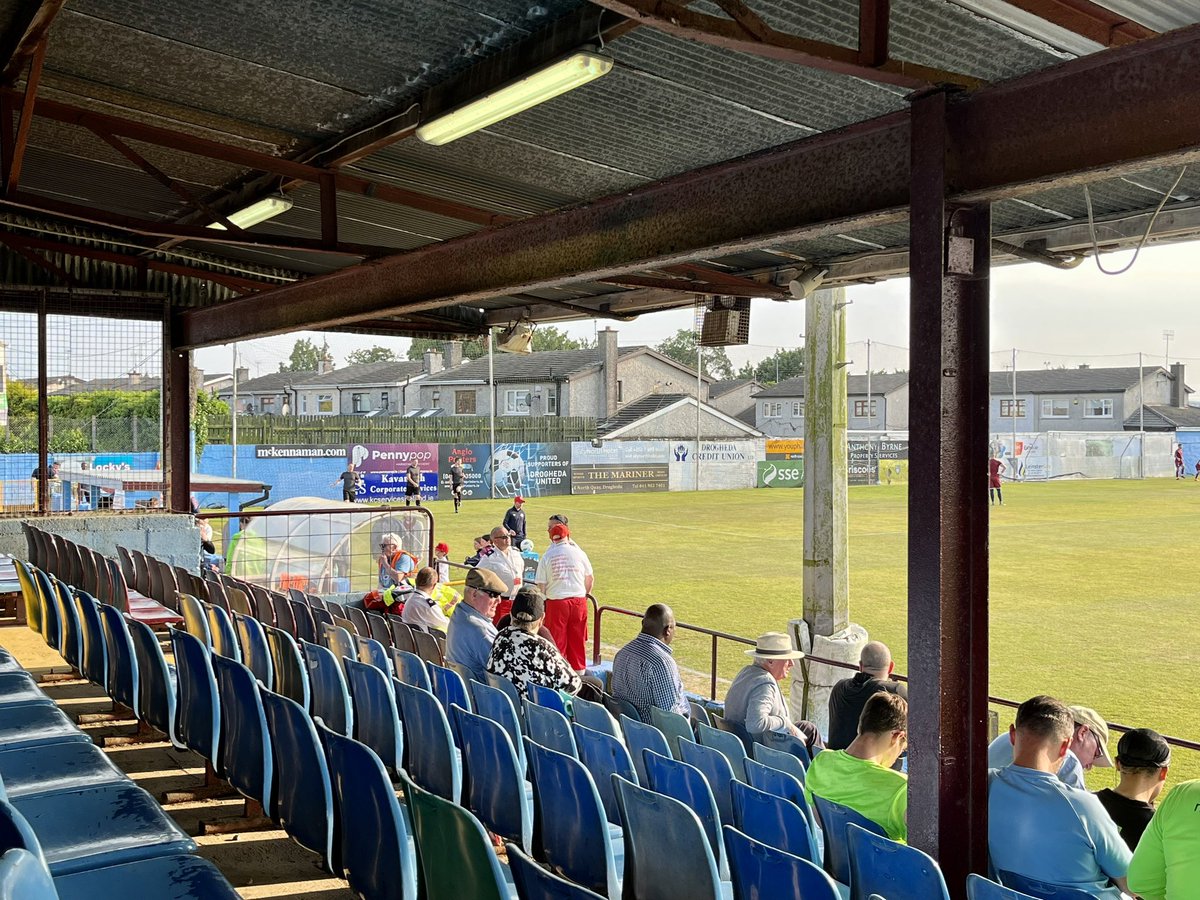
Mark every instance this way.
x=681 y=347
x=779 y=366
x=545 y=337
x=305 y=357
x=371 y=355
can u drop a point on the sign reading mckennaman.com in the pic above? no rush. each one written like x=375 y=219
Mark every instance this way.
x=299 y=451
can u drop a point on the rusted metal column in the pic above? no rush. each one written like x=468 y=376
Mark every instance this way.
x=176 y=425
x=43 y=413
x=947 y=512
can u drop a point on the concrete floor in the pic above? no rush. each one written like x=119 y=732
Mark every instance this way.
x=260 y=864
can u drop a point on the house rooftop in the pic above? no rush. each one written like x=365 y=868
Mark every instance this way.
x=855 y=385
x=1082 y=380
x=544 y=365
x=389 y=372
x=271 y=383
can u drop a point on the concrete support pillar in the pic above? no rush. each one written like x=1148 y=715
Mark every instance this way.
x=826 y=630
x=950 y=253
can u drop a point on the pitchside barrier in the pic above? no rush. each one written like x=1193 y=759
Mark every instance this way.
x=711 y=642
x=1053 y=455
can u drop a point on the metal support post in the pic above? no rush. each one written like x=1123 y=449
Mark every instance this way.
x=947 y=509
x=43 y=436
x=176 y=406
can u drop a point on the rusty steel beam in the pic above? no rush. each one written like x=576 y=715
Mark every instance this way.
x=676 y=19
x=947 y=518
x=40 y=261
x=234 y=282
x=1051 y=127
x=13 y=163
x=40 y=204
x=177 y=407
x=31 y=28
x=1089 y=20
x=874 y=22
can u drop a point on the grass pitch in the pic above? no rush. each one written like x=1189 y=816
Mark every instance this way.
x=1093 y=583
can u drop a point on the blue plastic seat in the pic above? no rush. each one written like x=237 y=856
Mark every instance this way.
x=330 y=693
x=640 y=737
x=246 y=758
x=761 y=872
x=376 y=721
x=256 y=653
x=980 y=888
x=290 y=673
x=72 y=634
x=716 y=769
x=879 y=865
x=304 y=795
x=23 y=876
x=535 y=883
x=674 y=726
x=784 y=762
x=340 y=641
x=36 y=724
x=738 y=730
x=370 y=651
x=667 y=855
x=496 y=787
x=786 y=786
x=377 y=853
x=774 y=821
x=1042 y=890
x=498 y=706
x=449 y=687
x=94 y=655
x=55 y=767
x=604 y=756
x=575 y=836
x=224 y=638
x=19 y=689
x=195 y=619
x=122 y=664
x=46 y=596
x=198 y=706
x=453 y=851
x=306 y=625
x=432 y=761
x=156 y=683
x=787 y=743
x=687 y=784
x=729 y=745
x=547 y=697
x=594 y=716
x=500 y=683
x=34 y=603
x=410 y=669
x=88 y=827
x=549 y=728
x=834 y=819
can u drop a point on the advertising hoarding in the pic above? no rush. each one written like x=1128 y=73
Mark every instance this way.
x=620 y=467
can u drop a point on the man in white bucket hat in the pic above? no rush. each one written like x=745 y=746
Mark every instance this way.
x=755 y=700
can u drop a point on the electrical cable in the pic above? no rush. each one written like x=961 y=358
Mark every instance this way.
x=1087 y=197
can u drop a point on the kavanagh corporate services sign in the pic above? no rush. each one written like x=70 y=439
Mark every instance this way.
x=383 y=469
x=627 y=467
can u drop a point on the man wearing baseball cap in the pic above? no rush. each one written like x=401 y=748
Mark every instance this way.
x=514 y=520
x=1143 y=758
x=470 y=635
x=1089 y=747
x=565 y=575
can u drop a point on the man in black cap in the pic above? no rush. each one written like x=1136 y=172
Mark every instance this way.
x=1143 y=759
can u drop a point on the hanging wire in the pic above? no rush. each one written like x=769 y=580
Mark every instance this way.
x=1087 y=197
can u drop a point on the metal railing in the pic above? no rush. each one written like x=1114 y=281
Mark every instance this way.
x=1182 y=743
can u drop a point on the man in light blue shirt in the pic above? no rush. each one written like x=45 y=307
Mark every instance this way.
x=470 y=635
x=1089 y=747
x=644 y=670
x=1041 y=827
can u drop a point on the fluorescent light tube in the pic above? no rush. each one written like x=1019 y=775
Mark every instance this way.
x=265 y=209
x=557 y=78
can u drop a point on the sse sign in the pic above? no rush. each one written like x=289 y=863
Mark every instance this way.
x=781 y=473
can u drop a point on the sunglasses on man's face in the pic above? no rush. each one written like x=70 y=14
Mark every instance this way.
x=495 y=595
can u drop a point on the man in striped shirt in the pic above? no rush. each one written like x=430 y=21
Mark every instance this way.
x=644 y=670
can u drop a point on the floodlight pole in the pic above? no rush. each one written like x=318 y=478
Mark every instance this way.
x=699 y=370
x=1141 y=418
x=233 y=414
x=1014 y=412
x=491 y=415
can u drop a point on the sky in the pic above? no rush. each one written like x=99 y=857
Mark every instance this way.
x=1052 y=317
